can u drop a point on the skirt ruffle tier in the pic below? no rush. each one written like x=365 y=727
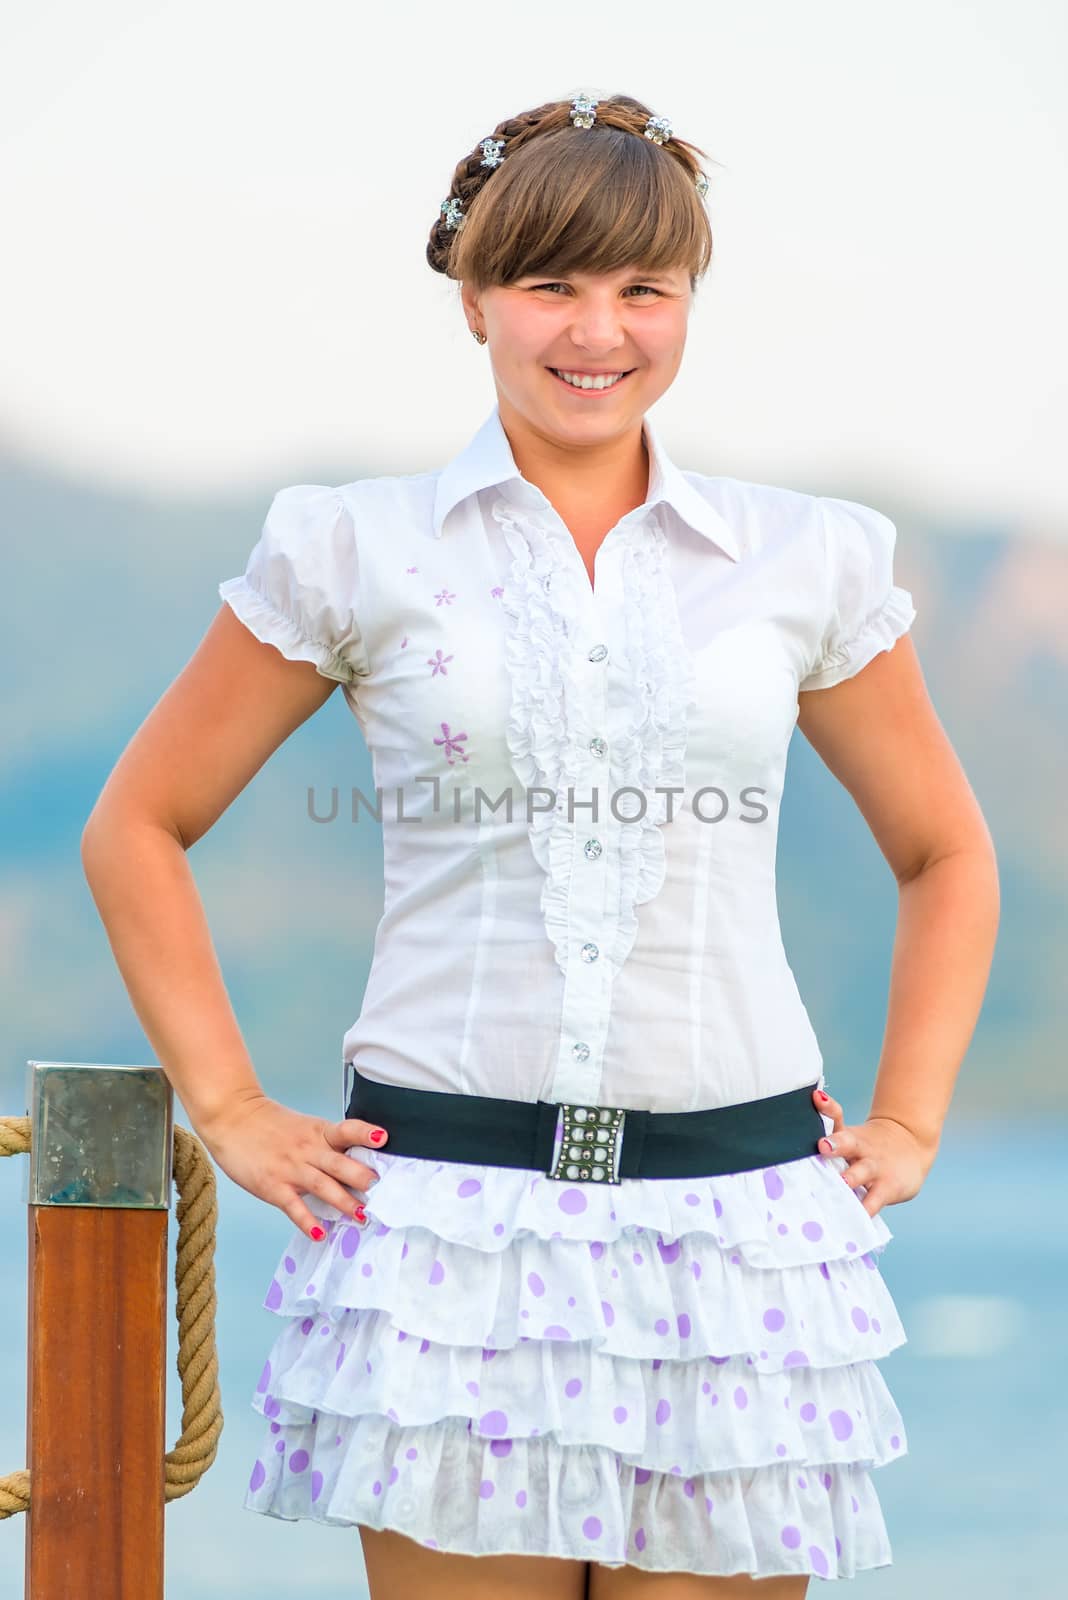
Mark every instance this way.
x=677 y=1374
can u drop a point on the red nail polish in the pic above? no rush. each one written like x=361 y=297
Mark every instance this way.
x=318 y=1233
x=360 y=1214
x=376 y=1136
x=822 y=1095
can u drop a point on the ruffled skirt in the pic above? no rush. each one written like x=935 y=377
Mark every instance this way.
x=677 y=1374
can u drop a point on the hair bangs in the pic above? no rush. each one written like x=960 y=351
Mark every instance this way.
x=594 y=202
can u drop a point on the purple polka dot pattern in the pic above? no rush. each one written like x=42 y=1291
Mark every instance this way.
x=841 y=1424
x=764 y=1267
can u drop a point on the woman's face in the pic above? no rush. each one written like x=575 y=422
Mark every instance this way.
x=624 y=321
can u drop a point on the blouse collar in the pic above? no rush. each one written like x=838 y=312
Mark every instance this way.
x=488 y=460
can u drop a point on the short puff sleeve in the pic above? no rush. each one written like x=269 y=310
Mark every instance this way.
x=299 y=588
x=868 y=611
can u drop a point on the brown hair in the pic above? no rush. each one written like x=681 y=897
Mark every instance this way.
x=567 y=199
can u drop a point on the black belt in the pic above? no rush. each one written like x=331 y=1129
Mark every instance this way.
x=599 y=1143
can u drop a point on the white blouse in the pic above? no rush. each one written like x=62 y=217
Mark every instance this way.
x=579 y=786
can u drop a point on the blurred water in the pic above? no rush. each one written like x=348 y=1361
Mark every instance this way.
x=978 y=1267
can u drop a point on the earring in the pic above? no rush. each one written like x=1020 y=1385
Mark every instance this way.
x=481 y=337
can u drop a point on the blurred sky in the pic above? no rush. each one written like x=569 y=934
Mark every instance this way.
x=215 y=219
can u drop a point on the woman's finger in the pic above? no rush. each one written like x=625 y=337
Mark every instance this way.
x=842 y=1142
x=353 y=1130
x=829 y=1106
x=875 y=1197
x=346 y=1169
x=303 y=1218
x=861 y=1174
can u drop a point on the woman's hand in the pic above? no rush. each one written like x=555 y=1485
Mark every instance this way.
x=883 y=1157
x=279 y=1155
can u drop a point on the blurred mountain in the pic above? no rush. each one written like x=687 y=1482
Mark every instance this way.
x=109 y=595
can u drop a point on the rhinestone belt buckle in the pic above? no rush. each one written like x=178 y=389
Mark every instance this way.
x=590 y=1144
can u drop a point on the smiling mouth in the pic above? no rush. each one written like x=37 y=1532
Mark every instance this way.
x=591 y=389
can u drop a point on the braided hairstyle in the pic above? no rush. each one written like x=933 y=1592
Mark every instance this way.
x=566 y=199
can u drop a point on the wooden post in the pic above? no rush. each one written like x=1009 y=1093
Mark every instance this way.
x=98 y=1201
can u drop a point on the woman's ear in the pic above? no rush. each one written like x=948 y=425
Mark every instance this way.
x=471 y=306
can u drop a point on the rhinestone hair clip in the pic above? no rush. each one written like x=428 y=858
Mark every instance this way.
x=583 y=115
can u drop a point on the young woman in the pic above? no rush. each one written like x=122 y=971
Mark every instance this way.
x=607 y=1317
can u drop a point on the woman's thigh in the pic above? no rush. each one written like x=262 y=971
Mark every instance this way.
x=635 y=1583
x=398 y=1566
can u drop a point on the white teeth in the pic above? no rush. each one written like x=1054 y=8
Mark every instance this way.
x=580 y=381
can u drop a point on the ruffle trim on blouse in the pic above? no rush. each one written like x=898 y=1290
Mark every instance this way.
x=534 y=1496
x=270 y=626
x=880 y=631
x=545 y=731
x=547 y=728
x=651 y=753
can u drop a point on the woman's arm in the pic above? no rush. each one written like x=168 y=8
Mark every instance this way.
x=234 y=703
x=880 y=736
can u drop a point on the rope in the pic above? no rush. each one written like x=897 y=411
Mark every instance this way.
x=194 y=1279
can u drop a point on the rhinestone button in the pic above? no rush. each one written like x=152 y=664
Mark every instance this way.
x=598 y=653
x=589 y=952
x=592 y=849
x=598 y=747
x=580 y=1051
